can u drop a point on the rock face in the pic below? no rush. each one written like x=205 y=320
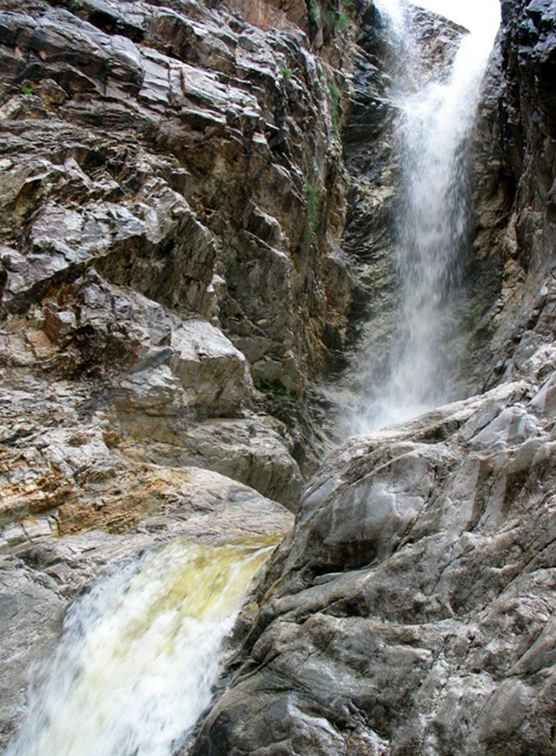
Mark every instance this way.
x=171 y=204
x=514 y=199
x=411 y=611
x=41 y=572
x=187 y=155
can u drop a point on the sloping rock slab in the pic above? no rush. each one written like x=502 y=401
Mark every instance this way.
x=412 y=609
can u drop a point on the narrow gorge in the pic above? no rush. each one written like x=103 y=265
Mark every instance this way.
x=278 y=378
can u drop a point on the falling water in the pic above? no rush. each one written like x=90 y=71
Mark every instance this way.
x=141 y=651
x=432 y=225
x=139 y=655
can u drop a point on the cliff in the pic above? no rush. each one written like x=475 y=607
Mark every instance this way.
x=196 y=211
x=171 y=283
x=412 y=609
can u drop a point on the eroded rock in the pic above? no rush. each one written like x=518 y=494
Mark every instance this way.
x=410 y=610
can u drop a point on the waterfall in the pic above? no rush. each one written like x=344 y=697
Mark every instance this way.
x=139 y=655
x=431 y=226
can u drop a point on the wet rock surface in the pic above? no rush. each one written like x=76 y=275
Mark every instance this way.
x=411 y=611
x=41 y=572
x=371 y=152
x=171 y=200
x=514 y=176
x=112 y=440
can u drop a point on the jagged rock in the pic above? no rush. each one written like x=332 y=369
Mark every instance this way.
x=150 y=141
x=148 y=379
x=514 y=173
x=170 y=148
x=410 y=610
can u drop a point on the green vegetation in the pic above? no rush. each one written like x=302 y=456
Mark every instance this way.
x=338 y=20
x=286 y=72
x=27 y=88
x=342 y=21
x=335 y=104
x=313 y=8
x=312 y=200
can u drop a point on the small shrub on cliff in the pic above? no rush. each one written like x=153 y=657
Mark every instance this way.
x=27 y=89
x=335 y=104
x=285 y=72
x=312 y=200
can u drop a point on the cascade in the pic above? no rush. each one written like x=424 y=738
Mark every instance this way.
x=139 y=654
x=431 y=226
x=141 y=651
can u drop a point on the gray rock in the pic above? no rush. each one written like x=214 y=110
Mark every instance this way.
x=514 y=172
x=161 y=145
x=167 y=391
x=411 y=609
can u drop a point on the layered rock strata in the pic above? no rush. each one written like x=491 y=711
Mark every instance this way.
x=170 y=273
x=412 y=609
x=514 y=199
x=171 y=203
x=188 y=156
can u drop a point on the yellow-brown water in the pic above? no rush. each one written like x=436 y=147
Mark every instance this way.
x=140 y=654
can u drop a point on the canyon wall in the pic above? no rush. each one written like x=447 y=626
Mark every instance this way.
x=196 y=203
x=411 y=611
x=172 y=200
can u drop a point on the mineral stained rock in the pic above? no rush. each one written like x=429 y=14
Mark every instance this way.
x=171 y=205
x=174 y=278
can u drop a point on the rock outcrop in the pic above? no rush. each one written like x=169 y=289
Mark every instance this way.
x=514 y=198
x=189 y=156
x=171 y=204
x=411 y=611
x=172 y=209
x=41 y=572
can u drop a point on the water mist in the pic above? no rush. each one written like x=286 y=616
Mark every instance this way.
x=431 y=227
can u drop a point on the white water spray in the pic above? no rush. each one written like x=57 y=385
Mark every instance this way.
x=431 y=228
x=139 y=655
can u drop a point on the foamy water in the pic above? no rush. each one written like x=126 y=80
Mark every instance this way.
x=431 y=228
x=139 y=655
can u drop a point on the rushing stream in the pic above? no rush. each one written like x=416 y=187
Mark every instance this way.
x=431 y=227
x=139 y=655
